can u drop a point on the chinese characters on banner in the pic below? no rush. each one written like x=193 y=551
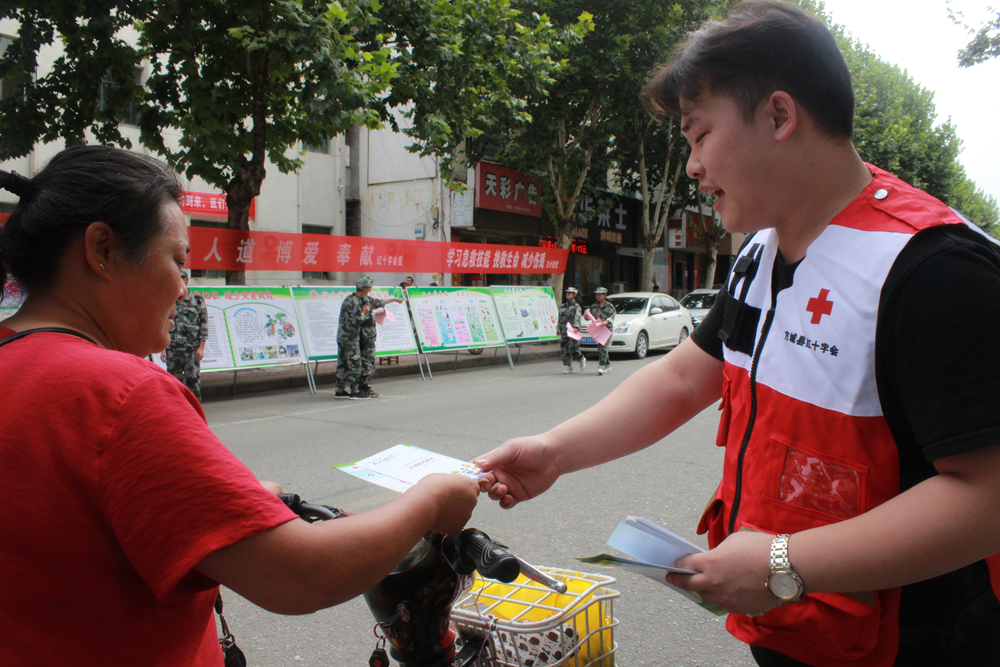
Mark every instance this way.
x=210 y=203
x=502 y=189
x=232 y=250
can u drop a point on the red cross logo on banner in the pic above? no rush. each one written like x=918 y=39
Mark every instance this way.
x=819 y=306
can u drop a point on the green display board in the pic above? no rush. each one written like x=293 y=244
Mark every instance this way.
x=319 y=313
x=526 y=313
x=251 y=327
x=455 y=318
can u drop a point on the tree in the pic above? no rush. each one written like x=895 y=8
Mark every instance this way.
x=710 y=227
x=244 y=81
x=985 y=42
x=650 y=152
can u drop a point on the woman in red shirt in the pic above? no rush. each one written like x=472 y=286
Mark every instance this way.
x=124 y=512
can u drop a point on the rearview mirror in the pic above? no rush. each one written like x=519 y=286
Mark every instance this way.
x=655 y=310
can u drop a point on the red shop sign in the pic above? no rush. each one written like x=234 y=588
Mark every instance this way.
x=210 y=203
x=501 y=189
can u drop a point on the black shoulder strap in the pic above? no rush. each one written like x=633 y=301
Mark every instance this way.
x=22 y=334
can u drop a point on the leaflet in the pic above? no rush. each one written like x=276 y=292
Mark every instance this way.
x=400 y=467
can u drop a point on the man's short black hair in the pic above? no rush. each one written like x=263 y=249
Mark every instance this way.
x=762 y=47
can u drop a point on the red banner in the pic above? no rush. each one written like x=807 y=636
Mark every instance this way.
x=229 y=250
x=210 y=203
x=502 y=189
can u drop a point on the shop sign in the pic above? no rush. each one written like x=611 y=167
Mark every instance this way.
x=501 y=189
x=609 y=218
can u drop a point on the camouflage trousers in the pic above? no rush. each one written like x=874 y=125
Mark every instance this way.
x=602 y=355
x=355 y=364
x=183 y=364
x=569 y=350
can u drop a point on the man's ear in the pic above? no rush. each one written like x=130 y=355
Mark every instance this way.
x=783 y=113
x=99 y=242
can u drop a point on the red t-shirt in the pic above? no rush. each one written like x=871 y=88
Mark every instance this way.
x=114 y=489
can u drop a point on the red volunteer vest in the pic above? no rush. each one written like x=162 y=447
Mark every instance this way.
x=806 y=441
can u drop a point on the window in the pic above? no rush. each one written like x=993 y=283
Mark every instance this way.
x=323 y=148
x=6 y=87
x=131 y=115
x=211 y=273
x=315 y=229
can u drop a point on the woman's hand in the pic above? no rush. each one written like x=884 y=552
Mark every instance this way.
x=453 y=497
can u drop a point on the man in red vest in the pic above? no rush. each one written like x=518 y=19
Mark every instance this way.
x=855 y=523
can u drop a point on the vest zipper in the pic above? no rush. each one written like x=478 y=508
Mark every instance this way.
x=768 y=318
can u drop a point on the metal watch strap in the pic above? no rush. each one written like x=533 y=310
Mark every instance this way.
x=779 y=554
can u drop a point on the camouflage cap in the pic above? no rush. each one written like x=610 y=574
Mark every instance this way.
x=571 y=290
x=364 y=281
x=185 y=273
x=601 y=290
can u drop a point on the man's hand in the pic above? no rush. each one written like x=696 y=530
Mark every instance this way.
x=733 y=575
x=163 y=356
x=517 y=470
x=200 y=353
x=364 y=309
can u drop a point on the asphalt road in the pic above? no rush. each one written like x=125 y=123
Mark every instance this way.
x=295 y=438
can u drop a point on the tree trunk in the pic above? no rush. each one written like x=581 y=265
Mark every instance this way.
x=712 y=250
x=246 y=182
x=648 y=255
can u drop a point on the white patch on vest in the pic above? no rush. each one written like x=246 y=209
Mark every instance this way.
x=834 y=366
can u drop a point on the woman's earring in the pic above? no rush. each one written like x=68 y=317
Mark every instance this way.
x=103 y=268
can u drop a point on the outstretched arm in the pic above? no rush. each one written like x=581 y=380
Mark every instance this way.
x=299 y=568
x=648 y=406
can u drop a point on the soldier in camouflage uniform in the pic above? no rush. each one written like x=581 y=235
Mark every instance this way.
x=603 y=311
x=356 y=341
x=187 y=339
x=569 y=348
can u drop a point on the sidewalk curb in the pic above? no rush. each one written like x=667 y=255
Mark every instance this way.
x=220 y=385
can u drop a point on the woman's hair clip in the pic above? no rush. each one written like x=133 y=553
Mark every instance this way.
x=19 y=185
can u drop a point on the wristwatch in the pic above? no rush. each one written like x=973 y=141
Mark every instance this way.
x=783 y=582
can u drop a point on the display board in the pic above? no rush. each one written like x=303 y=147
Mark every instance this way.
x=251 y=327
x=455 y=318
x=319 y=313
x=526 y=313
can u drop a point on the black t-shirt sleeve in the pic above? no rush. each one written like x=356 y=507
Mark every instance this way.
x=706 y=334
x=937 y=357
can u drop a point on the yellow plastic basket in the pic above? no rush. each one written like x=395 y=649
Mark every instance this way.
x=529 y=625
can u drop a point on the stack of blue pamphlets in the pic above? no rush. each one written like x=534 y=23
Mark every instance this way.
x=653 y=551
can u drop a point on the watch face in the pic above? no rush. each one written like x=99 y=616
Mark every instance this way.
x=784 y=586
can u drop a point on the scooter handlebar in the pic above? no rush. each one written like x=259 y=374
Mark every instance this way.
x=492 y=560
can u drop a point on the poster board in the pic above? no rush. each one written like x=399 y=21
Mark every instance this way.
x=319 y=314
x=251 y=327
x=527 y=313
x=455 y=318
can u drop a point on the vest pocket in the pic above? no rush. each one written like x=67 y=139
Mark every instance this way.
x=807 y=482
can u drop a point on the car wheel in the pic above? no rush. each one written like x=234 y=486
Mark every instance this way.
x=683 y=336
x=475 y=350
x=641 y=345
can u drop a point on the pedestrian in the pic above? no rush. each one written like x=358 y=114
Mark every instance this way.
x=154 y=513
x=188 y=338
x=603 y=311
x=356 y=341
x=569 y=347
x=855 y=523
x=407 y=283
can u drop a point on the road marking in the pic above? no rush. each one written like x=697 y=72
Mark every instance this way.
x=305 y=412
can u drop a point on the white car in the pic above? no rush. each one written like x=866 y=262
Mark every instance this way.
x=644 y=321
x=699 y=302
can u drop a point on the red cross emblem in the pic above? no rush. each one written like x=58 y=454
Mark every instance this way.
x=819 y=306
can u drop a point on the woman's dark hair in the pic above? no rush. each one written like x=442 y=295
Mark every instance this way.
x=80 y=186
x=762 y=47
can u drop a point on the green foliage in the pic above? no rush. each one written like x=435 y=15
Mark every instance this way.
x=66 y=103
x=985 y=42
x=896 y=128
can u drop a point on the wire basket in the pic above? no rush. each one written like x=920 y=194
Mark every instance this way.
x=524 y=624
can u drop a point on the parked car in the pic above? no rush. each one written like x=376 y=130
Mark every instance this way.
x=699 y=302
x=644 y=321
